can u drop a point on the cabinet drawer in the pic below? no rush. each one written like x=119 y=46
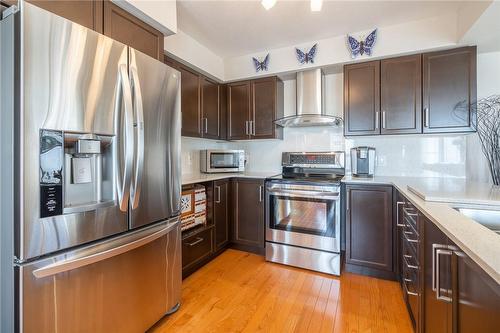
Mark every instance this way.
x=196 y=248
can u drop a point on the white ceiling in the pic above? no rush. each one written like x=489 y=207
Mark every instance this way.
x=234 y=28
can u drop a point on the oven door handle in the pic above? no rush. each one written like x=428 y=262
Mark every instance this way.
x=306 y=194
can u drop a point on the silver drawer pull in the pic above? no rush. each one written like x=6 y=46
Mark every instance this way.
x=408 y=239
x=407 y=280
x=406 y=262
x=406 y=212
x=440 y=252
x=197 y=241
x=406 y=288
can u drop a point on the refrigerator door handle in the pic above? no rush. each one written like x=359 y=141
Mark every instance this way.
x=124 y=95
x=135 y=190
x=74 y=263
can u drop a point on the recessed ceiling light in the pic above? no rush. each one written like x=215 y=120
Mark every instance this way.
x=316 y=5
x=268 y=4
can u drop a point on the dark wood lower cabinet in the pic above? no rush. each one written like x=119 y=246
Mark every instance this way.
x=248 y=214
x=468 y=300
x=221 y=213
x=476 y=297
x=197 y=247
x=369 y=229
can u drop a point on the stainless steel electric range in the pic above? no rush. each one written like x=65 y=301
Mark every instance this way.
x=303 y=211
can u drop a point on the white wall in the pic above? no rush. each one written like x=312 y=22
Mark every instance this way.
x=160 y=14
x=488 y=83
x=184 y=48
x=410 y=37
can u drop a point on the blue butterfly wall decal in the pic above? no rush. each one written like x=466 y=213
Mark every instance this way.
x=306 y=57
x=261 y=65
x=363 y=46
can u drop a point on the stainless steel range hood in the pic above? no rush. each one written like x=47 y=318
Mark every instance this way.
x=310 y=110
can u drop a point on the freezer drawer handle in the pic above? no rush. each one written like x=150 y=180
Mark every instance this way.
x=71 y=264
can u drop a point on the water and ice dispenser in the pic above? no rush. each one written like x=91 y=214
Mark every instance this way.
x=76 y=172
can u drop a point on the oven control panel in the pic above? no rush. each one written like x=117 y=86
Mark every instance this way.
x=332 y=159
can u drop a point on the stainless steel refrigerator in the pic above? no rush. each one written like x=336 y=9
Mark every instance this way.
x=90 y=179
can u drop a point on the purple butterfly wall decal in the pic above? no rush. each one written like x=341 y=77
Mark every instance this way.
x=261 y=65
x=363 y=46
x=306 y=57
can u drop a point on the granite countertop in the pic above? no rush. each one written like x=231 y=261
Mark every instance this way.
x=205 y=177
x=477 y=241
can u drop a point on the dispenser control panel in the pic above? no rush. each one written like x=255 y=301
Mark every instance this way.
x=51 y=173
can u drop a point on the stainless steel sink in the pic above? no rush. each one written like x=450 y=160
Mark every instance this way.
x=490 y=218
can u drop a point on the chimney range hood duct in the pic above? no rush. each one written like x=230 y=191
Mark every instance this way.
x=309 y=110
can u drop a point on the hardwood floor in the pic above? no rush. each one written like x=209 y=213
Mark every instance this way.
x=241 y=292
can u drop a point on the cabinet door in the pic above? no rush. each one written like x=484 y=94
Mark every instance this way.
x=362 y=98
x=128 y=29
x=369 y=226
x=221 y=213
x=437 y=313
x=238 y=110
x=476 y=297
x=449 y=90
x=87 y=13
x=248 y=205
x=190 y=102
x=263 y=108
x=210 y=107
x=401 y=95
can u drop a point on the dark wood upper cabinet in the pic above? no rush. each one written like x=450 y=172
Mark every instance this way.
x=221 y=213
x=267 y=95
x=128 y=29
x=190 y=102
x=238 y=110
x=210 y=109
x=401 y=95
x=252 y=107
x=369 y=229
x=248 y=210
x=87 y=13
x=362 y=98
x=449 y=90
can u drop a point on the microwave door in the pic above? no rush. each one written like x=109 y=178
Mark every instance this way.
x=156 y=186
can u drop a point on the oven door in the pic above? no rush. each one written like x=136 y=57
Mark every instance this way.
x=303 y=215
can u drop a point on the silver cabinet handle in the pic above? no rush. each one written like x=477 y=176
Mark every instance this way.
x=383 y=119
x=376 y=120
x=218 y=194
x=252 y=126
x=426 y=117
x=260 y=193
x=406 y=212
x=135 y=191
x=124 y=96
x=405 y=259
x=440 y=252
x=197 y=241
x=409 y=239
x=206 y=124
x=71 y=264
x=347 y=200
x=246 y=127
x=406 y=287
x=399 y=203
